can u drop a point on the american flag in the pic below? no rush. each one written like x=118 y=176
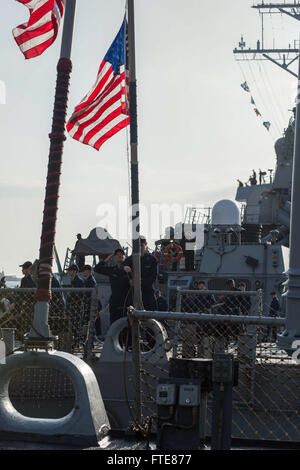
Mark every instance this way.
x=104 y=110
x=34 y=37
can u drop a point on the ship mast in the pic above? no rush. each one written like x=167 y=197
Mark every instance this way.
x=282 y=57
x=289 y=339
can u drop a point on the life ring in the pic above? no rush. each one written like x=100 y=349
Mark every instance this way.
x=173 y=252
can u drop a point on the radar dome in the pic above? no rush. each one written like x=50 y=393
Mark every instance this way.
x=226 y=212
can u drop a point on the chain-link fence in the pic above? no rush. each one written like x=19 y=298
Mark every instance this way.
x=266 y=402
x=234 y=302
x=72 y=316
x=73 y=313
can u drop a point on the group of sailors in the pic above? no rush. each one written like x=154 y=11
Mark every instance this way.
x=228 y=305
x=253 y=178
x=119 y=269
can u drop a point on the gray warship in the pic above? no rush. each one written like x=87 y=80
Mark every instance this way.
x=246 y=240
x=188 y=378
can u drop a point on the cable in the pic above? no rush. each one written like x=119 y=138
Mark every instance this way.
x=258 y=91
x=272 y=102
x=260 y=94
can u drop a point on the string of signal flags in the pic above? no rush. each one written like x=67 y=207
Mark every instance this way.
x=246 y=88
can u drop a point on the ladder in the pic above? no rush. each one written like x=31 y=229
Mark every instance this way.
x=68 y=259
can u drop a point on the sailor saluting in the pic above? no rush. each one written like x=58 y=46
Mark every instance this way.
x=120 y=284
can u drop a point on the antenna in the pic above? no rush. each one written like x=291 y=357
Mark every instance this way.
x=282 y=57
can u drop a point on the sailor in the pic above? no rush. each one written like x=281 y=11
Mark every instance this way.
x=80 y=258
x=231 y=306
x=205 y=301
x=162 y=304
x=27 y=280
x=55 y=284
x=199 y=303
x=24 y=301
x=196 y=340
x=262 y=175
x=148 y=275
x=88 y=278
x=73 y=270
x=231 y=302
x=252 y=179
x=57 y=303
x=89 y=282
x=75 y=303
x=273 y=312
x=245 y=301
x=120 y=283
x=274 y=306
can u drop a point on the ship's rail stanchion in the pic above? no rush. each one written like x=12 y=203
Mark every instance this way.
x=265 y=400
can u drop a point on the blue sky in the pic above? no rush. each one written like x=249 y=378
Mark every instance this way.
x=197 y=130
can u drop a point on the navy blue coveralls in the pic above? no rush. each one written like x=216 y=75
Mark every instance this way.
x=148 y=277
x=74 y=308
x=120 y=297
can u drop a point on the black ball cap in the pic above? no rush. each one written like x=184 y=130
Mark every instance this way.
x=26 y=265
x=73 y=267
x=119 y=250
x=86 y=267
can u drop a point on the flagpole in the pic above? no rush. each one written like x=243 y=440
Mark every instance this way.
x=40 y=328
x=136 y=256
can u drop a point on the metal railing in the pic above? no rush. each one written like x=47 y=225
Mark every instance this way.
x=266 y=404
x=72 y=315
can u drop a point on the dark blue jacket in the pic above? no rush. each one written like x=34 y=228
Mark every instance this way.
x=77 y=282
x=90 y=281
x=119 y=283
x=162 y=304
x=274 y=307
x=148 y=277
x=197 y=303
x=148 y=270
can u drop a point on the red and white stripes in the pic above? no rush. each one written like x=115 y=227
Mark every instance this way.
x=35 y=36
x=102 y=112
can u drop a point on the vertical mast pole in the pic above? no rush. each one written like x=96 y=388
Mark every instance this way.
x=292 y=331
x=136 y=254
x=40 y=327
x=136 y=257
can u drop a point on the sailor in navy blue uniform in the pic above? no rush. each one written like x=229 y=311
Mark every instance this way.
x=162 y=304
x=86 y=273
x=75 y=279
x=75 y=303
x=120 y=284
x=273 y=312
x=148 y=275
